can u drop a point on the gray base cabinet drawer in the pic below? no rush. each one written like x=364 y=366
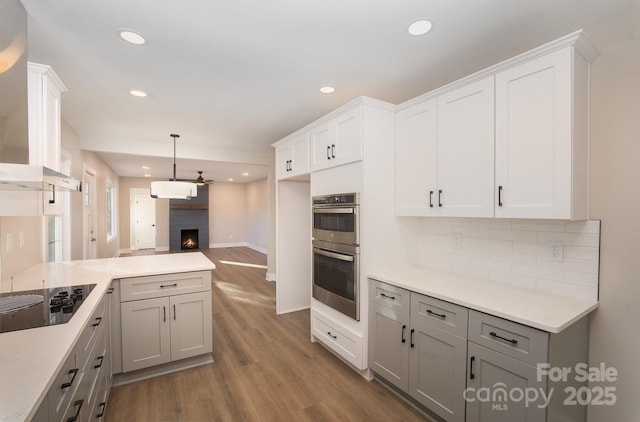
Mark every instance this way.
x=443 y=315
x=153 y=286
x=516 y=340
x=390 y=296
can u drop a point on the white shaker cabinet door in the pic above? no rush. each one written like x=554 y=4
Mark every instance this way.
x=191 y=325
x=466 y=151
x=534 y=138
x=416 y=160
x=146 y=337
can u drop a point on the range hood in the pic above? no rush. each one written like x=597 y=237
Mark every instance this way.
x=20 y=177
x=16 y=173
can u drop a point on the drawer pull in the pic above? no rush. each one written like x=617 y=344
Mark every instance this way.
x=404 y=327
x=430 y=199
x=98 y=321
x=331 y=335
x=430 y=312
x=471 y=374
x=512 y=341
x=100 y=364
x=78 y=403
x=104 y=406
x=72 y=372
x=162 y=286
x=174 y=311
x=387 y=296
x=411 y=336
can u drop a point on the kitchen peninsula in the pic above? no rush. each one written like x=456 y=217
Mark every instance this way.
x=31 y=359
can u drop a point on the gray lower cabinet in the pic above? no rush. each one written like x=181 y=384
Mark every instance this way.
x=465 y=365
x=81 y=387
x=504 y=380
x=415 y=345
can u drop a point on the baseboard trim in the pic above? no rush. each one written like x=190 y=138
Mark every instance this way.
x=237 y=245
x=167 y=368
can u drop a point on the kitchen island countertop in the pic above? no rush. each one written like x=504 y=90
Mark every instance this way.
x=30 y=359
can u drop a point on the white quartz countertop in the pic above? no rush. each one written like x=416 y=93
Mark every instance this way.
x=545 y=311
x=30 y=359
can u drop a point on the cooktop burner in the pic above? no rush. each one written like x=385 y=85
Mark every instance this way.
x=39 y=308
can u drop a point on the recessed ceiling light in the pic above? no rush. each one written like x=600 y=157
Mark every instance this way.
x=132 y=37
x=146 y=167
x=147 y=175
x=245 y=174
x=327 y=90
x=420 y=27
x=137 y=93
x=230 y=180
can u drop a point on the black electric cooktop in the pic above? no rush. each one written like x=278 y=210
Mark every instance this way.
x=53 y=306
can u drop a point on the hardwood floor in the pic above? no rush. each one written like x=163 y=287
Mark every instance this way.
x=265 y=367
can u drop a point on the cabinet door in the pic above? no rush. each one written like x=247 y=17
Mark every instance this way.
x=533 y=138
x=389 y=354
x=416 y=160
x=284 y=155
x=348 y=141
x=466 y=151
x=320 y=139
x=300 y=156
x=191 y=330
x=145 y=333
x=437 y=370
x=493 y=378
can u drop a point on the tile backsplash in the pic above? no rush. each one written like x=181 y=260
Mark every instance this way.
x=517 y=252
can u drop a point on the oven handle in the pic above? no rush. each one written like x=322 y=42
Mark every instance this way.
x=334 y=210
x=342 y=257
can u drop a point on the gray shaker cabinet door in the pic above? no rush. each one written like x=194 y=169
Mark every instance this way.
x=437 y=372
x=389 y=354
x=499 y=387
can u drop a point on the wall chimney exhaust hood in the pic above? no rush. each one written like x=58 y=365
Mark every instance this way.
x=15 y=171
x=19 y=177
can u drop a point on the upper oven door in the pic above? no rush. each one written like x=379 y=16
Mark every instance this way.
x=337 y=224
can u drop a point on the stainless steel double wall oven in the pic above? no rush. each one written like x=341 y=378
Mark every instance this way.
x=336 y=252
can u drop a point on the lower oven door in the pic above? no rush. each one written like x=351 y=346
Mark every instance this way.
x=336 y=278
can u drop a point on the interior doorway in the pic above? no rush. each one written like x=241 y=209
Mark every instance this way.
x=90 y=234
x=143 y=219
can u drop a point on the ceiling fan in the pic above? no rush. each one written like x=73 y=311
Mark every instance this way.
x=200 y=181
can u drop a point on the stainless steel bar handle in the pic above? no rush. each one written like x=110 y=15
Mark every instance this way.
x=341 y=257
x=334 y=211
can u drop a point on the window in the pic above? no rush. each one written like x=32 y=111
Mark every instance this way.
x=112 y=228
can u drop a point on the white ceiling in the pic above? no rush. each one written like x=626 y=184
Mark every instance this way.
x=232 y=77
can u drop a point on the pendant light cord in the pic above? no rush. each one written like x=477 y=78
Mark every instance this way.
x=174 y=136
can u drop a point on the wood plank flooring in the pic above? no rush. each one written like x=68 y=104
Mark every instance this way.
x=265 y=367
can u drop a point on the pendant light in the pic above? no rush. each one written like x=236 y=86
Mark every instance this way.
x=174 y=189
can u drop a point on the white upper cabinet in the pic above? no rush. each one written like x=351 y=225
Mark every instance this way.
x=338 y=141
x=45 y=92
x=444 y=154
x=417 y=159
x=541 y=138
x=292 y=157
x=465 y=150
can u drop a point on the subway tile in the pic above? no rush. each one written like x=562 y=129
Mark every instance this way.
x=581 y=252
x=570 y=264
x=584 y=279
x=470 y=271
x=489 y=264
x=490 y=244
x=515 y=235
x=436 y=230
x=513 y=257
x=576 y=239
x=567 y=289
x=539 y=225
x=587 y=226
x=471 y=232
x=513 y=279
x=531 y=248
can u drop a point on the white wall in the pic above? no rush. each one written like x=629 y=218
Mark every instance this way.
x=615 y=198
x=257 y=214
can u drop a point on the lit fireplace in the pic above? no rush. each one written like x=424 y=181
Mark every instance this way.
x=189 y=239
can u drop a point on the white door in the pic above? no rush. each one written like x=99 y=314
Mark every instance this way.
x=90 y=249
x=145 y=222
